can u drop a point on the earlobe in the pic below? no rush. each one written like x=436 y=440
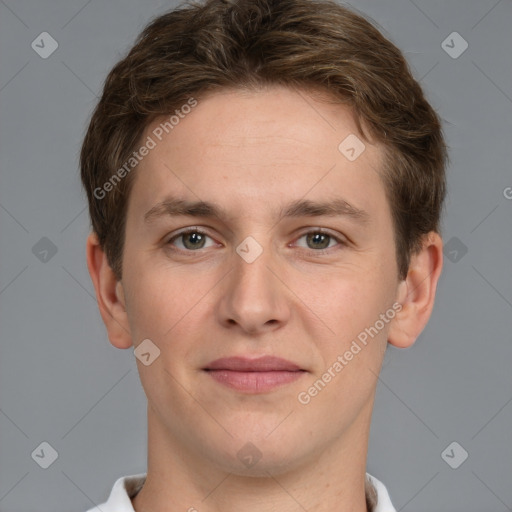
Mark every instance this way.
x=109 y=295
x=416 y=293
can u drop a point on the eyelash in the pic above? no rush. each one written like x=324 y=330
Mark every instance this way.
x=341 y=243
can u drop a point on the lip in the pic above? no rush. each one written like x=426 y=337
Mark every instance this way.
x=259 y=364
x=258 y=375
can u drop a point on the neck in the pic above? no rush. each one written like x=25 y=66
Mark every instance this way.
x=180 y=479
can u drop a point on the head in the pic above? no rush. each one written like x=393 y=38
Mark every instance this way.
x=301 y=137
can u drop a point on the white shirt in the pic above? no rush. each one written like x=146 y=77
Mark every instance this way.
x=127 y=487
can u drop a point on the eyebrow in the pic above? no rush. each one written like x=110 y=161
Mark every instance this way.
x=172 y=206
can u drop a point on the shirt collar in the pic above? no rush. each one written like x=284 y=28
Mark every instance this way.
x=126 y=487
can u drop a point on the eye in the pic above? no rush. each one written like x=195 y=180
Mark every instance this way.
x=190 y=240
x=318 y=240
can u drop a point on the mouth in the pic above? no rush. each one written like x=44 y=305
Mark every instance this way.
x=254 y=375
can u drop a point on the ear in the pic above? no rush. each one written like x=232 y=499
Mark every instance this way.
x=416 y=293
x=109 y=295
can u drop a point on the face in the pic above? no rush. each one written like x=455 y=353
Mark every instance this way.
x=291 y=257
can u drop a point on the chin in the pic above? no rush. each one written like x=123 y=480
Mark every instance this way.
x=257 y=456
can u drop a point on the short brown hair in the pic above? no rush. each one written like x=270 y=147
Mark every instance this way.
x=302 y=44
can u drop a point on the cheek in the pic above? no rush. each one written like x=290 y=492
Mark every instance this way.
x=168 y=304
x=153 y=306
x=347 y=298
x=348 y=308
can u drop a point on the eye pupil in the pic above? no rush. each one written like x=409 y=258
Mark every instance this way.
x=193 y=240
x=319 y=240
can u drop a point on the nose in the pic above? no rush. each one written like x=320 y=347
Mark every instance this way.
x=254 y=299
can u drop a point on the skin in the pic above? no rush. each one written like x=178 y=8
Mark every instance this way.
x=252 y=153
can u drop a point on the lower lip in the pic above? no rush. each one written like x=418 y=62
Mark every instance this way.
x=254 y=382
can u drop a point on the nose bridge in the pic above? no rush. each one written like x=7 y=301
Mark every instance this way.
x=253 y=297
x=251 y=274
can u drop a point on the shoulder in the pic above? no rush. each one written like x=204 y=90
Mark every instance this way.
x=377 y=496
x=123 y=490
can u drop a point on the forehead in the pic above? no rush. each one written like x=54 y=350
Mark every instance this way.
x=252 y=151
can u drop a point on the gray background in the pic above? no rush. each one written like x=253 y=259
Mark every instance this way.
x=62 y=382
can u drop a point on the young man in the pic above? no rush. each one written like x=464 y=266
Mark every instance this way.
x=265 y=181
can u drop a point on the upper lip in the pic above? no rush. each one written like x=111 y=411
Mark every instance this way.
x=260 y=364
